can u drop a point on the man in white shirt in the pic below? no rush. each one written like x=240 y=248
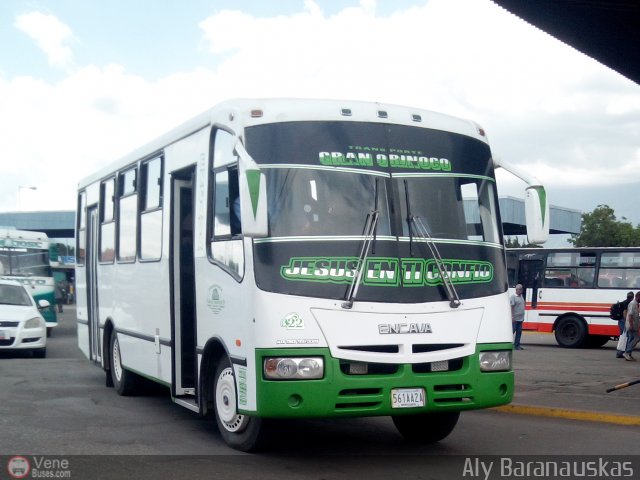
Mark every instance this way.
x=517 y=316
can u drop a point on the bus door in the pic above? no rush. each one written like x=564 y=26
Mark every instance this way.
x=95 y=350
x=183 y=323
x=530 y=274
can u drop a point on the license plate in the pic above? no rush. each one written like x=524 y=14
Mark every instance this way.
x=407 y=397
x=3 y=335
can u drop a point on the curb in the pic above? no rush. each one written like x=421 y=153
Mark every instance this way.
x=570 y=414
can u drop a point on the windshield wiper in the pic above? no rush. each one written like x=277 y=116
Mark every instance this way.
x=369 y=234
x=423 y=232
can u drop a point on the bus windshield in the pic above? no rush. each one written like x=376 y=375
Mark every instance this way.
x=434 y=193
x=24 y=262
x=323 y=178
x=451 y=207
x=308 y=202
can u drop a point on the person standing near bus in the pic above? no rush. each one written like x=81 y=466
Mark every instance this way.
x=633 y=322
x=60 y=294
x=622 y=342
x=517 y=315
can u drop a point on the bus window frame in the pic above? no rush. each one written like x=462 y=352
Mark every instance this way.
x=143 y=210
x=121 y=175
x=214 y=168
x=81 y=228
x=104 y=222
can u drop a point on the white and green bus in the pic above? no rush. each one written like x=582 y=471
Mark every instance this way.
x=303 y=258
x=24 y=257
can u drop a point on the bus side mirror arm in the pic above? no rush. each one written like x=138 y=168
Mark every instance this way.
x=253 y=195
x=536 y=204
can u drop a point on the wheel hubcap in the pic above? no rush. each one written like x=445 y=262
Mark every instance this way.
x=226 y=402
x=117 y=367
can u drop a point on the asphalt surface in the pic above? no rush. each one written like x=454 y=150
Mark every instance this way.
x=551 y=377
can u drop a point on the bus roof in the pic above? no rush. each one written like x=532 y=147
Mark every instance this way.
x=23 y=234
x=241 y=113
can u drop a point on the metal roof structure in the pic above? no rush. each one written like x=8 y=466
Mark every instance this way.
x=561 y=220
x=60 y=224
x=605 y=30
x=56 y=224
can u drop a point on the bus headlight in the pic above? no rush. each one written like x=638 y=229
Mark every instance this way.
x=495 y=361
x=293 y=368
x=35 y=322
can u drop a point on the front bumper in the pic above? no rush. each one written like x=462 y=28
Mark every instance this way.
x=19 y=338
x=341 y=394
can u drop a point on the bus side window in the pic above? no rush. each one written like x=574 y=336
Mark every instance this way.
x=81 y=228
x=151 y=210
x=127 y=214
x=221 y=205
x=107 y=223
x=226 y=204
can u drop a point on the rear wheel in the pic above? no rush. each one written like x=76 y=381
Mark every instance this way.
x=49 y=331
x=571 y=332
x=125 y=382
x=241 y=432
x=426 y=427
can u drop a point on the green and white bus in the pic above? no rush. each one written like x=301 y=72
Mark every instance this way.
x=303 y=258
x=24 y=257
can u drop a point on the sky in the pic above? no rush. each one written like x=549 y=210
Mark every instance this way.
x=84 y=82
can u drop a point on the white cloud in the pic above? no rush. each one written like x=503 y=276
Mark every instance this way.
x=50 y=34
x=547 y=108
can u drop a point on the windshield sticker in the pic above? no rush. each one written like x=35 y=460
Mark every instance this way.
x=406 y=272
x=358 y=156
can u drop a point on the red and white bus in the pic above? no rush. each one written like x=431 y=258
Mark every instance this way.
x=569 y=291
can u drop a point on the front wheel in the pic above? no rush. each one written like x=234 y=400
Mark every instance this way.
x=125 y=382
x=241 y=432
x=426 y=427
x=571 y=332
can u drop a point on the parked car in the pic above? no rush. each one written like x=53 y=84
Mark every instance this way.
x=21 y=324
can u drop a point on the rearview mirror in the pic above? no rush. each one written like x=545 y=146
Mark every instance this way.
x=253 y=196
x=43 y=304
x=536 y=210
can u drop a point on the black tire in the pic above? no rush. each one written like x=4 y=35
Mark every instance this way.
x=49 y=331
x=426 y=427
x=241 y=432
x=40 y=353
x=125 y=382
x=571 y=332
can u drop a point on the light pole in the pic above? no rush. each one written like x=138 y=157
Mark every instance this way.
x=20 y=187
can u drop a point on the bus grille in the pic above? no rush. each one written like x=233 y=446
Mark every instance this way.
x=454 y=394
x=359 y=399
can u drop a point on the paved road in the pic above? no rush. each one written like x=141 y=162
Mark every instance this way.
x=59 y=406
x=550 y=376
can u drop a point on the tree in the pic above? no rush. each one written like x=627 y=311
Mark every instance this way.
x=515 y=243
x=600 y=228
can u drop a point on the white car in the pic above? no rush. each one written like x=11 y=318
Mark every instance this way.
x=21 y=325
